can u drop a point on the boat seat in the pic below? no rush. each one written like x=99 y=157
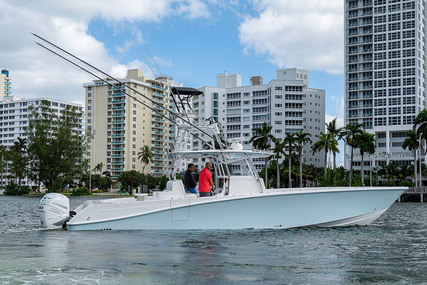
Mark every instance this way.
x=174 y=189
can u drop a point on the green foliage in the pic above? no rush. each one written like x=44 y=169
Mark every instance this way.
x=81 y=191
x=130 y=179
x=98 y=181
x=163 y=180
x=13 y=189
x=406 y=183
x=389 y=183
x=145 y=155
x=55 y=147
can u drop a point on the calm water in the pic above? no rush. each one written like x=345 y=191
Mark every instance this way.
x=393 y=250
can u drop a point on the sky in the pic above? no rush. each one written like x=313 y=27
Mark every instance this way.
x=190 y=40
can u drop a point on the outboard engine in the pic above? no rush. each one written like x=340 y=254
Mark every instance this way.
x=54 y=210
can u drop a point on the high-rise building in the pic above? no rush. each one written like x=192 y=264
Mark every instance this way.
x=5 y=83
x=14 y=118
x=119 y=123
x=385 y=73
x=285 y=103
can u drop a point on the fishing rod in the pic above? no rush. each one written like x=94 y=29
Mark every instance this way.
x=98 y=77
x=115 y=79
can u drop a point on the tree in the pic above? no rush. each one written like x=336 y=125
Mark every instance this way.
x=301 y=140
x=290 y=142
x=18 y=159
x=55 y=144
x=390 y=172
x=129 y=179
x=420 y=124
x=278 y=151
x=324 y=143
x=3 y=163
x=365 y=142
x=337 y=134
x=411 y=142
x=98 y=167
x=145 y=155
x=349 y=132
x=261 y=140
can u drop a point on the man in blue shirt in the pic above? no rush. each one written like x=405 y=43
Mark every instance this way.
x=189 y=182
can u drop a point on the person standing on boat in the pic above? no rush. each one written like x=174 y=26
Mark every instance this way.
x=189 y=182
x=205 y=181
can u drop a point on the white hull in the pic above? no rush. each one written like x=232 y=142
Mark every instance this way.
x=283 y=208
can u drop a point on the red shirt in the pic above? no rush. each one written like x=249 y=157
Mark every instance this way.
x=204 y=177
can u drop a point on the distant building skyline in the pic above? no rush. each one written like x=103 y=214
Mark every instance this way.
x=117 y=126
x=385 y=67
x=286 y=103
x=14 y=118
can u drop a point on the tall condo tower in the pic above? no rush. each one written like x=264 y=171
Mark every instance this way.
x=385 y=82
x=119 y=123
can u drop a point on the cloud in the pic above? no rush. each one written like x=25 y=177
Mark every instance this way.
x=194 y=9
x=305 y=33
x=37 y=73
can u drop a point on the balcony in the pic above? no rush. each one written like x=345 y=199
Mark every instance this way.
x=118 y=148
x=118 y=101
x=158 y=120
x=118 y=135
x=157 y=94
x=158 y=127
x=118 y=121
x=119 y=108
x=158 y=87
x=119 y=129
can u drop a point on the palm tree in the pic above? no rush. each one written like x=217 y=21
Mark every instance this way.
x=278 y=151
x=337 y=134
x=261 y=140
x=350 y=131
x=411 y=143
x=301 y=140
x=366 y=143
x=324 y=143
x=3 y=160
x=290 y=141
x=389 y=171
x=145 y=155
x=98 y=167
x=420 y=124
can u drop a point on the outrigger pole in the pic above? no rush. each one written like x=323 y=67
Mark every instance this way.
x=118 y=81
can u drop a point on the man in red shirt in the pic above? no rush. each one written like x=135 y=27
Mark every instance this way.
x=205 y=181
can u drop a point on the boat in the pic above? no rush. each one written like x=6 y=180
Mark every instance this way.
x=240 y=200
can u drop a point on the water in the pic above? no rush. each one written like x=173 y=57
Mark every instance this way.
x=393 y=250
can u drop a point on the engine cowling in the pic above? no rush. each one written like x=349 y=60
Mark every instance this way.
x=54 y=210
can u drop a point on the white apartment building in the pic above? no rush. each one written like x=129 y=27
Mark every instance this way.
x=119 y=122
x=285 y=103
x=14 y=118
x=385 y=68
x=5 y=83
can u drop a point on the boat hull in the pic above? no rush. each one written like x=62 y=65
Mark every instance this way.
x=276 y=209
